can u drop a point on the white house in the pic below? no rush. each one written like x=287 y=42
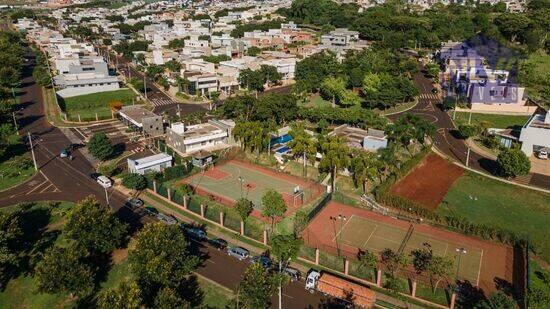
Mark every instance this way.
x=155 y=163
x=205 y=136
x=535 y=134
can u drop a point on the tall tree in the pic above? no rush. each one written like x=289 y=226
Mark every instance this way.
x=100 y=146
x=160 y=256
x=367 y=260
x=333 y=87
x=64 y=270
x=125 y=295
x=393 y=261
x=439 y=268
x=335 y=156
x=303 y=145
x=363 y=165
x=93 y=227
x=256 y=287
x=273 y=205
x=244 y=208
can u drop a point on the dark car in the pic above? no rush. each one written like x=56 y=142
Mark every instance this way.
x=293 y=273
x=218 y=243
x=95 y=175
x=435 y=90
x=151 y=211
x=263 y=260
x=196 y=233
x=134 y=203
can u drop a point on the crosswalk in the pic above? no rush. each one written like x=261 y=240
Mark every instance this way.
x=431 y=96
x=161 y=102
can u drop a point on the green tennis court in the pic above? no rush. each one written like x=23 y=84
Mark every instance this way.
x=234 y=179
x=360 y=232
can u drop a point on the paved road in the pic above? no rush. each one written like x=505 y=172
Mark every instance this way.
x=61 y=179
x=161 y=102
x=429 y=107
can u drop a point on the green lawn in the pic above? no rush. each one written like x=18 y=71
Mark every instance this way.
x=316 y=101
x=214 y=296
x=495 y=121
x=539 y=284
x=487 y=201
x=10 y=175
x=533 y=74
x=88 y=105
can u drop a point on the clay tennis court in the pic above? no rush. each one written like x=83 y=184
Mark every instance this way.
x=428 y=183
x=228 y=182
x=367 y=230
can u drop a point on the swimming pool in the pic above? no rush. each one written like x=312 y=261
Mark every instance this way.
x=283 y=150
x=281 y=139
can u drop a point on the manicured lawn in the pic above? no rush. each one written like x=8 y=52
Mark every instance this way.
x=495 y=121
x=486 y=201
x=21 y=293
x=316 y=101
x=214 y=296
x=88 y=105
x=11 y=176
x=536 y=78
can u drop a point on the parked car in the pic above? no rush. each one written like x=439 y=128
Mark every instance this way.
x=104 y=181
x=435 y=90
x=293 y=273
x=167 y=219
x=151 y=211
x=262 y=260
x=134 y=203
x=543 y=154
x=238 y=252
x=64 y=153
x=196 y=233
x=218 y=243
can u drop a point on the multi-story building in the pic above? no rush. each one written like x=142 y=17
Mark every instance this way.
x=215 y=134
x=535 y=134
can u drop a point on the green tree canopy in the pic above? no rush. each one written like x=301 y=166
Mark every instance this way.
x=273 y=205
x=256 y=287
x=513 y=162
x=134 y=181
x=124 y=295
x=100 y=146
x=93 y=227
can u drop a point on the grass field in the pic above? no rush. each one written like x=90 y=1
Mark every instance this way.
x=316 y=101
x=88 y=105
x=11 y=176
x=495 y=121
x=534 y=75
x=486 y=201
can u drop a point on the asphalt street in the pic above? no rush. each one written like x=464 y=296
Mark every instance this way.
x=69 y=180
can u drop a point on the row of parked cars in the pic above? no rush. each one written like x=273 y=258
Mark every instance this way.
x=200 y=235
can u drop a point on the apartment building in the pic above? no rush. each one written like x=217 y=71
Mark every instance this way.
x=215 y=134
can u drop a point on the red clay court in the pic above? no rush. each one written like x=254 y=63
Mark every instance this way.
x=428 y=183
x=228 y=182
x=367 y=230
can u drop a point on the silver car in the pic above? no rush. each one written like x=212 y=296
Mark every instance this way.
x=238 y=252
x=167 y=219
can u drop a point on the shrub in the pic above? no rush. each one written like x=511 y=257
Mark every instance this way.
x=513 y=162
x=134 y=181
x=467 y=131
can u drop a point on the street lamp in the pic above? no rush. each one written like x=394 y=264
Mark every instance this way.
x=106 y=196
x=241 y=180
x=337 y=237
x=460 y=252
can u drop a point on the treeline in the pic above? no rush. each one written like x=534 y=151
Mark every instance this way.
x=380 y=76
x=397 y=25
x=239 y=31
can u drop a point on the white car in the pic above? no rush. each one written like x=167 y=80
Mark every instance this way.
x=104 y=181
x=543 y=154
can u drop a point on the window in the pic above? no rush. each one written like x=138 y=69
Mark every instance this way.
x=88 y=69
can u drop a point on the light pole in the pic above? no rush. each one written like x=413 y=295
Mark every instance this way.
x=145 y=85
x=459 y=251
x=106 y=196
x=337 y=237
x=241 y=180
x=32 y=151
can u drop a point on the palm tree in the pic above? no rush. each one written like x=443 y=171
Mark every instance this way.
x=303 y=145
x=335 y=155
x=363 y=165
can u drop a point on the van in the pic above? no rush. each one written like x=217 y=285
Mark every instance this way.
x=238 y=252
x=104 y=181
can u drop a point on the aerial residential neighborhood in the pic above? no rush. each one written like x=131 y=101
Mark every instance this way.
x=274 y=154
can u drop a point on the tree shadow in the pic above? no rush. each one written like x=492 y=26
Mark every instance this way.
x=118 y=149
x=190 y=290
x=469 y=296
x=489 y=166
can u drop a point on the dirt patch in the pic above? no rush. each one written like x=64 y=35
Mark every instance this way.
x=119 y=255
x=429 y=182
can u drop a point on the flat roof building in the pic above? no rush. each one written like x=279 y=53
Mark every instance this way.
x=155 y=163
x=142 y=120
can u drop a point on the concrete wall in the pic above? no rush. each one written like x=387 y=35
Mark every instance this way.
x=153 y=126
x=73 y=92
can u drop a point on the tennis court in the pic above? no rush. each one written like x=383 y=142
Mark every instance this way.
x=375 y=236
x=235 y=179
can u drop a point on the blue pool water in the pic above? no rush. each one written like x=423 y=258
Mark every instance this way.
x=283 y=150
x=281 y=139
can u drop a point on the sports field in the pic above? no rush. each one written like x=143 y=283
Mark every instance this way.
x=235 y=179
x=361 y=229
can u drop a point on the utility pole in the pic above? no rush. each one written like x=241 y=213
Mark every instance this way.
x=470 y=118
x=280 y=286
x=106 y=196
x=32 y=151
x=460 y=252
x=468 y=156
x=145 y=85
x=129 y=73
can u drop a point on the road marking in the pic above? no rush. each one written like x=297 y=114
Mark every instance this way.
x=286 y=295
x=479 y=270
x=46 y=188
